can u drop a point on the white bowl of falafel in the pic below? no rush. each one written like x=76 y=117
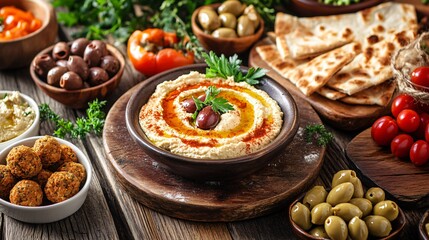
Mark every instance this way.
x=43 y=179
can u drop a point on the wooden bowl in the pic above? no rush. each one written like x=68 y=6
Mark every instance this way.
x=397 y=225
x=19 y=52
x=310 y=8
x=226 y=46
x=210 y=169
x=422 y=228
x=79 y=98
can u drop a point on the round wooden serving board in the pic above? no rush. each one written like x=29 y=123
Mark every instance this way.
x=404 y=181
x=271 y=188
x=340 y=115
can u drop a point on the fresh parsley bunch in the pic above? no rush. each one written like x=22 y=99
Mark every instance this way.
x=219 y=105
x=224 y=68
x=319 y=133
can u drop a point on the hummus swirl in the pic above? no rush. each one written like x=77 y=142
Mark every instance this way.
x=255 y=121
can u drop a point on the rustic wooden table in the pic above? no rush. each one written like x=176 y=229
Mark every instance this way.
x=110 y=212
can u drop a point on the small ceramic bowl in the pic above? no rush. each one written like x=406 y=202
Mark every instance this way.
x=226 y=46
x=310 y=8
x=422 y=226
x=53 y=212
x=33 y=130
x=397 y=225
x=19 y=52
x=209 y=169
x=79 y=98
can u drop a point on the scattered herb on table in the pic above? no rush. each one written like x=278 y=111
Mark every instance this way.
x=218 y=104
x=319 y=133
x=93 y=122
x=224 y=68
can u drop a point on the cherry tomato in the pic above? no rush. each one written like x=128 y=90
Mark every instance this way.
x=401 y=145
x=420 y=76
x=401 y=102
x=384 y=130
x=408 y=120
x=427 y=132
x=419 y=152
x=424 y=120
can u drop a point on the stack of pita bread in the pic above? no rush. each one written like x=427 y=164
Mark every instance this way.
x=342 y=57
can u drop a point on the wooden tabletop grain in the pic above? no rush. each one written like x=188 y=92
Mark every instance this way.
x=110 y=212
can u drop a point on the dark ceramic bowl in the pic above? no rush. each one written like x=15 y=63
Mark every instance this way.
x=422 y=228
x=310 y=8
x=397 y=225
x=220 y=169
x=79 y=98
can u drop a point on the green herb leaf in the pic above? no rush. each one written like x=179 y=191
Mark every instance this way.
x=319 y=133
x=224 y=68
x=219 y=105
x=1 y=24
x=93 y=122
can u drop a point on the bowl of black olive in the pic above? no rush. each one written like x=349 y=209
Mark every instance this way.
x=78 y=72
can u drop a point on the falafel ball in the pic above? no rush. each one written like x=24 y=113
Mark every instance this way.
x=76 y=168
x=42 y=177
x=23 y=162
x=67 y=154
x=61 y=186
x=26 y=193
x=48 y=149
x=7 y=181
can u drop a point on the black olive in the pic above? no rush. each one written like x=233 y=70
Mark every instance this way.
x=78 y=65
x=207 y=118
x=54 y=75
x=100 y=45
x=61 y=63
x=61 y=51
x=78 y=46
x=110 y=64
x=42 y=64
x=189 y=105
x=202 y=97
x=92 y=55
x=71 y=81
x=97 y=76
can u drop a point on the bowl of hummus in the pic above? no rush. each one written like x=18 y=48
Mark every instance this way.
x=260 y=121
x=19 y=117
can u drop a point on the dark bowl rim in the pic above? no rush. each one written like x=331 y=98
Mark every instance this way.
x=304 y=234
x=272 y=146
x=194 y=22
x=110 y=48
x=47 y=9
x=357 y=6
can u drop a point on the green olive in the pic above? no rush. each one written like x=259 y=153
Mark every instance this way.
x=358 y=229
x=363 y=204
x=224 y=33
x=208 y=19
x=427 y=228
x=318 y=232
x=336 y=228
x=375 y=195
x=387 y=209
x=315 y=196
x=320 y=213
x=378 y=226
x=301 y=216
x=231 y=6
x=228 y=20
x=244 y=26
x=346 y=211
x=342 y=193
x=253 y=15
x=348 y=176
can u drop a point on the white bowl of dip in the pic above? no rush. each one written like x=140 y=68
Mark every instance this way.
x=31 y=129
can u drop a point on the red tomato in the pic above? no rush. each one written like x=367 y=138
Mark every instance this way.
x=401 y=102
x=419 y=152
x=401 y=145
x=408 y=120
x=384 y=130
x=424 y=120
x=427 y=132
x=420 y=76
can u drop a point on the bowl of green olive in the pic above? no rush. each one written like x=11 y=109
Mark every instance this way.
x=346 y=211
x=227 y=28
x=424 y=226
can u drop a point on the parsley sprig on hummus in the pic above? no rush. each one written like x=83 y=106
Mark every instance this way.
x=218 y=104
x=224 y=68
